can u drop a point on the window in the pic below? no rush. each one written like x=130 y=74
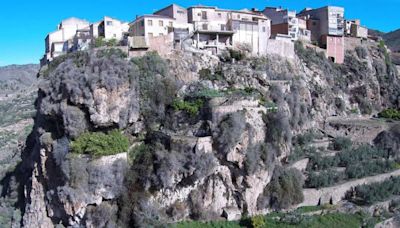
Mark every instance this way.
x=161 y=23
x=219 y=15
x=109 y=23
x=223 y=27
x=150 y=34
x=150 y=23
x=205 y=26
x=238 y=16
x=171 y=24
x=142 y=23
x=180 y=12
x=264 y=29
x=160 y=34
x=204 y=15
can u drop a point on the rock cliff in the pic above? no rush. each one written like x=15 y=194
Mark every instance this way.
x=210 y=136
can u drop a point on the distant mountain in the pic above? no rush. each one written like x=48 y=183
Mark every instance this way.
x=392 y=40
x=17 y=77
x=373 y=32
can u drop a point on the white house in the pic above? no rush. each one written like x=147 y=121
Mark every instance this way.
x=109 y=28
x=60 y=41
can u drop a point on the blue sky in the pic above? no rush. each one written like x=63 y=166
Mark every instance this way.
x=25 y=23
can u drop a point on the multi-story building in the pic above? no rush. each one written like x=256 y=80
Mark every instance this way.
x=327 y=29
x=147 y=27
x=215 y=28
x=60 y=41
x=285 y=22
x=354 y=28
x=181 y=27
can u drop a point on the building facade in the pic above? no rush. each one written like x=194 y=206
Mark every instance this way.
x=109 y=28
x=216 y=29
x=60 y=41
x=328 y=29
x=147 y=27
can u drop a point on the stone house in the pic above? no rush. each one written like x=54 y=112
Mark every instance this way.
x=60 y=41
x=327 y=28
x=215 y=29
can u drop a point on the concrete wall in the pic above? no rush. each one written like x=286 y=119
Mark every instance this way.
x=359 y=31
x=283 y=48
x=335 y=48
x=163 y=45
x=276 y=15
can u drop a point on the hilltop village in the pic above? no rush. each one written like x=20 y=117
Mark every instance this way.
x=210 y=29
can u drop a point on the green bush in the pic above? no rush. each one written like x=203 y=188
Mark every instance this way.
x=258 y=221
x=137 y=151
x=375 y=192
x=369 y=168
x=340 y=143
x=192 y=108
x=111 y=42
x=237 y=54
x=100 y=144
x=390 y=114
x=99 y=42
x=111 y=52
x=323 y=179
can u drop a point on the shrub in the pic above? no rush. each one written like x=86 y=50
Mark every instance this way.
x=285 y=188
x=362 y=153
x=111 y=52
x=192 y=108
x=340 y=143
x=390 y=114
x=137 y=151
x=369 y=168
x=375 y=192
x=237 y=54
x=317 y=162
x=230 y=129
x=99 y=42
x=111 y=42
x=100 y=144
x=157 y=88
x=278 y=129
x=323 y=179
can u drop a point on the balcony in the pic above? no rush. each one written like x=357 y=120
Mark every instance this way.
x=209 y=28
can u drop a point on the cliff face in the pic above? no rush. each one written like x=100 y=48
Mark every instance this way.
x=209 y=137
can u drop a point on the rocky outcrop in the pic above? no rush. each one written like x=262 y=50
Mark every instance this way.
x=207 y=134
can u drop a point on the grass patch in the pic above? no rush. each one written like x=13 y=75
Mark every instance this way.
x=285 y=221
x=100 y=144
x=390 y=114
x=192 y=108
